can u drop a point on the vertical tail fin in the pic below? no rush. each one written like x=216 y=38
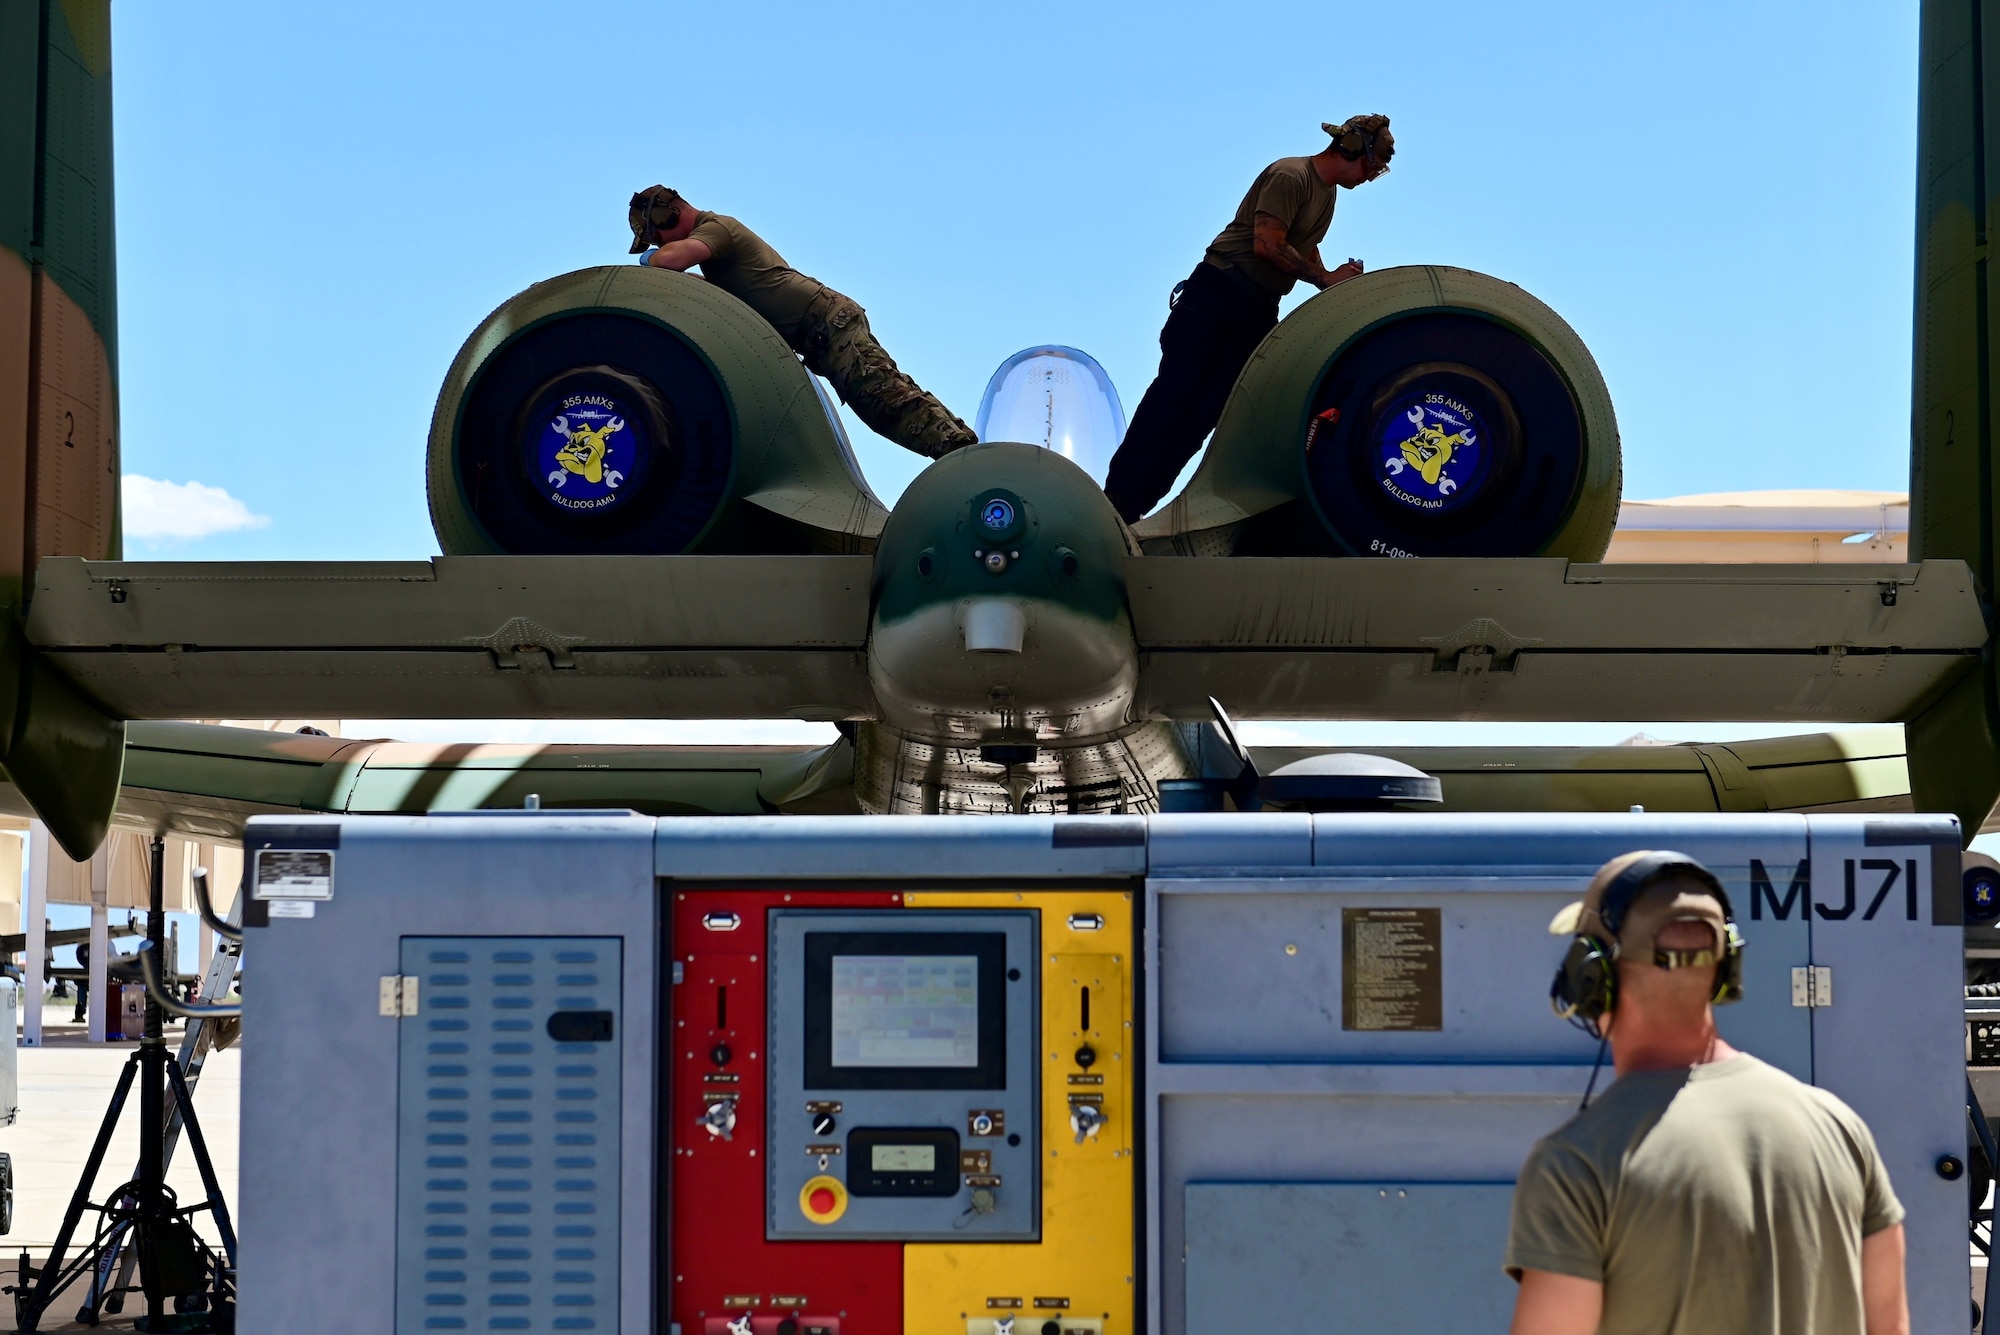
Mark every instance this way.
x=58 y=387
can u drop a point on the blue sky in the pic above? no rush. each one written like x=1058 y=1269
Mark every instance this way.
x=317 y=203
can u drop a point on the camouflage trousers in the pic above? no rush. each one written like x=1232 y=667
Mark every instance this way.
x=836 y=343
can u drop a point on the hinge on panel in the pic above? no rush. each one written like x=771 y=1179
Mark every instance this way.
x=1812 y=985
x=398 y=995
x=680 y=973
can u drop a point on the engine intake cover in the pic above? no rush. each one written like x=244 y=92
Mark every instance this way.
x=629 y=411
x=1419 y=411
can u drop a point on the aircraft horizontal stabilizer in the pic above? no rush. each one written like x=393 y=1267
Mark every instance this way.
x=463 y=637
x=1540 y=639
x=722 y=637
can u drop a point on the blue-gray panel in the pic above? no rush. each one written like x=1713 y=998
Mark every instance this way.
x=1892 y=1044
x=1337 y=1257
x=1181 y=844
x=1253 y=973
x=319 y=1097
x=1561 y=843
x=1455 y=1137
x=507 y=1139
x=1254 y=1079
x=772 y=848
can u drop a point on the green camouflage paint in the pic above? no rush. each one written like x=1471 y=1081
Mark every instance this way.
x=1954 y=744
x=1063 y=511
x=58 y=397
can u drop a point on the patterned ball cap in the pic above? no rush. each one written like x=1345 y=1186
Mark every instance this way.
x=1381 y=144
x=655 y=206
x=1671 y=887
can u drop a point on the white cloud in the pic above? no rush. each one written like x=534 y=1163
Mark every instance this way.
x=182 y=510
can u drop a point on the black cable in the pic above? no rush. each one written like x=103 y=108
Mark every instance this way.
x=207 y=906
x=1595 y=1067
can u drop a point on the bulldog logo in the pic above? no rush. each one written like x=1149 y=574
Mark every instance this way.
x=1428 y=451
x=585 y=449
x=587 y=453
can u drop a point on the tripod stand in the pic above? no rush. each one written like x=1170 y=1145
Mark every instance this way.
x=174 y=1261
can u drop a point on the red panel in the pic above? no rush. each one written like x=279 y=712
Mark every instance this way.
x=716 y=1186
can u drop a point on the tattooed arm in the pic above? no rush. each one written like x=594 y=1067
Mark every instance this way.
x=1351 y=269
x=1282 y=255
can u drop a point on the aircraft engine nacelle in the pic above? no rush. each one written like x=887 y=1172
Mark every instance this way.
x=1420 y=411
x=631 y=411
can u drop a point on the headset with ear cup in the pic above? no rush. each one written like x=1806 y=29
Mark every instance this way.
x=1585 y=988
x=1360 y=135
x=656 y=207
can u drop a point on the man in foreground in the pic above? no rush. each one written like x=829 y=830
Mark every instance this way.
x=1221 y=313
x=1704 y=1192
x=827 y=329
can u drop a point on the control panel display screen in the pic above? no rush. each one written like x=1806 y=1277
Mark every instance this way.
x=906 y=1010
x=903 y=1161
x=903 y=1158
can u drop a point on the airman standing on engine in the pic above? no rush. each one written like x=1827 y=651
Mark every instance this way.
x=1221 y=313
x=828 y=330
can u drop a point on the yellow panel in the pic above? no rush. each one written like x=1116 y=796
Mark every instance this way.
x=1085 y=1257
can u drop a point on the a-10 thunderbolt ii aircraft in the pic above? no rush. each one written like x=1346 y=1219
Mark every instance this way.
x=647 y=510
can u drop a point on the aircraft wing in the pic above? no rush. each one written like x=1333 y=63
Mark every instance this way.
x=463 y=637
x=204 y=781
x=13 y=943
x=1542 y=639
x=1849 y=769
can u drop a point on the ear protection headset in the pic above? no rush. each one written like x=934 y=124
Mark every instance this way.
x=1353 y=143
x=1586 y=984
x=656 y=208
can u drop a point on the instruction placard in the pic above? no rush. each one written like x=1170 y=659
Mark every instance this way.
x=1391 y=969
x=293 y=873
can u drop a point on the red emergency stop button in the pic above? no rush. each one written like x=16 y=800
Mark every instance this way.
x=823 y=1199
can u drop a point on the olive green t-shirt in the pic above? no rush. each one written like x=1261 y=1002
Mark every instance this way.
x=743 y=264
x=1290 y=190
x=1714 y=1200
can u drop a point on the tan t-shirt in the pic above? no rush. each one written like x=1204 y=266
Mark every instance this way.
x=1723 y=1198
x=743 y=264
x=1289 y=189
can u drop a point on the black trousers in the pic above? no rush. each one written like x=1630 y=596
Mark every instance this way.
x=1209 y=335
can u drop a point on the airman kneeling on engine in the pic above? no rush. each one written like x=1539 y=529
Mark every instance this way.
x=828 y=330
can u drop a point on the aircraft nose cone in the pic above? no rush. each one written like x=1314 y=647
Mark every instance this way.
x=994 y=626
x=999 y=602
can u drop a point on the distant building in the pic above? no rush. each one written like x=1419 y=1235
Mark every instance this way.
x=1776 y=527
